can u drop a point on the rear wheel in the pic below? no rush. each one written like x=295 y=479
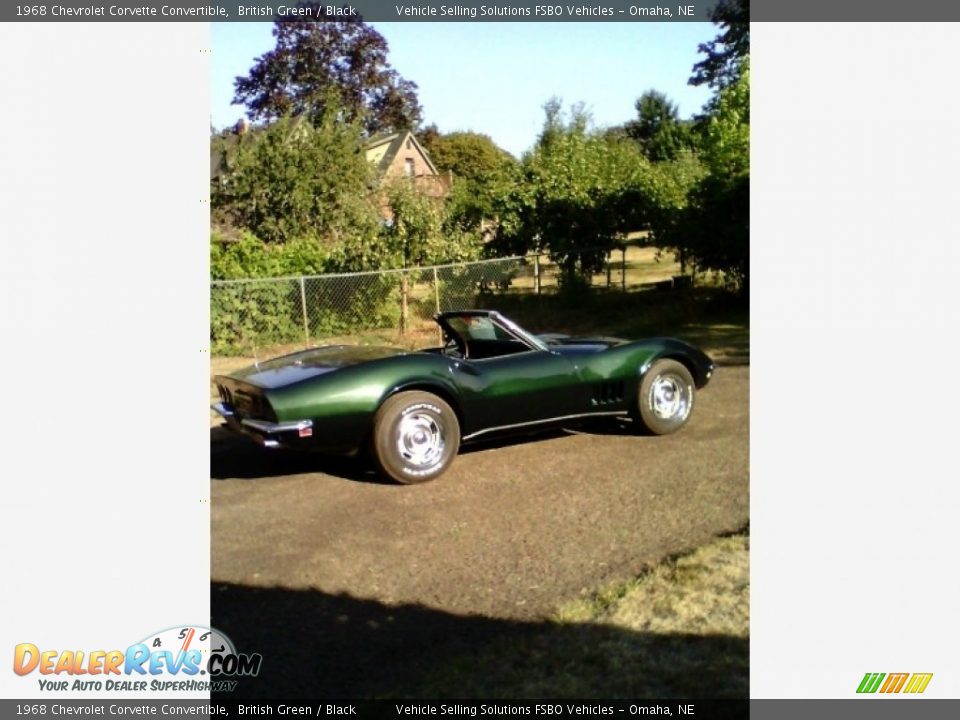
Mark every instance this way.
x=666 y=397
x=415 y=437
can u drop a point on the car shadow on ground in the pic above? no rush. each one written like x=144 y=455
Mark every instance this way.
x=316 y=644
x=233 y=456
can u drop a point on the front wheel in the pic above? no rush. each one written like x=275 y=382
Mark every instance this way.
x=416 y=435
x=666 y=397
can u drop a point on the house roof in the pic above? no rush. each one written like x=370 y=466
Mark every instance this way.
x=225 y=145
x=394 y=143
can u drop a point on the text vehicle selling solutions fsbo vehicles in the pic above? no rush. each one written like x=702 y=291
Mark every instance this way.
x=413 y=409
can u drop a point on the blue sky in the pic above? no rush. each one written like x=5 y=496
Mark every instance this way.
x=494 y=78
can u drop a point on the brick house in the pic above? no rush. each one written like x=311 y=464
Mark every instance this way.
x=401 y=155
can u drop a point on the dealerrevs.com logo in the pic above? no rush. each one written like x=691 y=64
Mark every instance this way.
x=185 y=658
x=888 y=684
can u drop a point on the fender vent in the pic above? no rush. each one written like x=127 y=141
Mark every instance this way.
x=607 y=393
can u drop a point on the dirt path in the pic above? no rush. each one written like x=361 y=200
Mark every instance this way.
x=509 y=532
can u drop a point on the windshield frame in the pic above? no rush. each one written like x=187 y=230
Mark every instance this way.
x=505 y=324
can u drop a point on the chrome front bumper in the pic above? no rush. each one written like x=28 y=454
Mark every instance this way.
x=268 y=434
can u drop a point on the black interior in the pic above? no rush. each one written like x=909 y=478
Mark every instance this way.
x=480 y=349
x=483 y=349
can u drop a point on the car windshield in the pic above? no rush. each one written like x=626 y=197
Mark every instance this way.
x=481 y=327
x=531 y=340
x=476 y=327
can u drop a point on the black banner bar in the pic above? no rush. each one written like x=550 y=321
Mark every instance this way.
x=406 y=709
x=873 y=708
x=368 y=10
x=470 y=11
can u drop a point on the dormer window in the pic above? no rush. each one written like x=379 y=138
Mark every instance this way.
x=408 y=167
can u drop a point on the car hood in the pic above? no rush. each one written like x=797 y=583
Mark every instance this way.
x=289 y=369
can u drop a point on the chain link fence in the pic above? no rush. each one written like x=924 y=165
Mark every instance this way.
x=248 y=317
x=249 y=314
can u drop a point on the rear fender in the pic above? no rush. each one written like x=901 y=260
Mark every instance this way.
x=445 y=392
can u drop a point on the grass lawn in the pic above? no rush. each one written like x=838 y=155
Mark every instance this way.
x=679 y=631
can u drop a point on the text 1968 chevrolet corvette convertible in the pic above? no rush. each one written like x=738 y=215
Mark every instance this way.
x=412 y=409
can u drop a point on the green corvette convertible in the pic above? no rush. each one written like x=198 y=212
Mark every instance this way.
x=413 y=409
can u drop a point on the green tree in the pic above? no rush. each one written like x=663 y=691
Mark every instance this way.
x=569 y=196
x=292 y=181
x=658 y=128
x=427 y=135
x=479 y=171
x=725 y=52
x=716 y=225
x=419 y=233
x=329 y=63
x=469 y=155
x=725 y=143
x=662 y=199
x=249 y=257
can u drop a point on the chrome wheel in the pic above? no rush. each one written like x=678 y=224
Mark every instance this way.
x=666 y=398
x=669 y=397
x=420 y=439
x=416 y=435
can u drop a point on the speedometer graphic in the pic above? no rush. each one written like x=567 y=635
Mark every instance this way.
x=192 y=649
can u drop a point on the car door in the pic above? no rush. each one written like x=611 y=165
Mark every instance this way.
x=518 y=389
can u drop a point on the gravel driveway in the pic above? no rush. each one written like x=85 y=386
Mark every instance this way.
x=511 y=531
